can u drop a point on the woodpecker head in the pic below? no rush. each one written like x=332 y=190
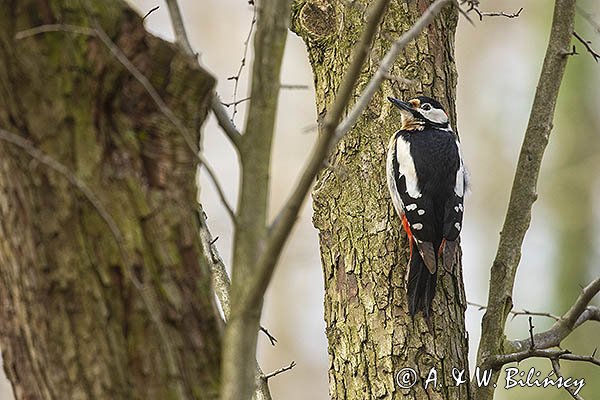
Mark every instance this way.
x=421 y=112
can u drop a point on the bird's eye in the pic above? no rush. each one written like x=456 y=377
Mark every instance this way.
x=426 y=107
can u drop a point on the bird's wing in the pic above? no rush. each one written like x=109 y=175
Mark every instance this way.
x=409 y=201
x=453 y=214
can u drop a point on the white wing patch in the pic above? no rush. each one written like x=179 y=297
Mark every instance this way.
x=391 y=181
x=406 y=167
x=459 y=186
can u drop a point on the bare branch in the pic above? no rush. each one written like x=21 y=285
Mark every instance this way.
x=463 y=12
x=573 y=52
x=80 y=30
x=482 y=14
x=587 y=43
x=239 y=349
x=220 y=278
x=178 y=26
x=269 y=336
x=225 y=122
x=237 y=76
x=532 y=345
x=516 y=313
x=333 y=131
x=553 y=354
x=536 y=349
x=150 y=12
x=213 y=177
x=280 y=370
x=523 y=193
x=575 y=357
x=573 y=318
x=235 y=103
x=556 y=368
x=222 y=288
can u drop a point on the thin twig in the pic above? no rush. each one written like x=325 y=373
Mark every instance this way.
x=532 y=346
x=80 y=30
x=576 y=357
x=235 y=103
x=269 y=336
x=280 y=371
x=516 y=313
x=218 y=187
x=150 y=12
x=559 y=354
x=556 y=368
x=482 y=14
x=178 y=26
x=587 y=43
x=463 y=12
x=573 y=52
x=220 y=277
x=225 y=122
x=237 y=76
x=221 y=282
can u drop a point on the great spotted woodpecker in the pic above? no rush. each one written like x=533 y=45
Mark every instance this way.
x=427 y=181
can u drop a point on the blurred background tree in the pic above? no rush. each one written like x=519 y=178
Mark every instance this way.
x=498 y=61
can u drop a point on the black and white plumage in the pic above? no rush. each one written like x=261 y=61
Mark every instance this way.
x=427 y=182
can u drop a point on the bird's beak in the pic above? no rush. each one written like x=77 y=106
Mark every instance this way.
x=403 y=105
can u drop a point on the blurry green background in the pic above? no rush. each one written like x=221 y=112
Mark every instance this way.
x=498 y=61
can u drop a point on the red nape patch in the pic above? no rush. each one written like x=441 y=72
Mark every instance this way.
x=406 y=227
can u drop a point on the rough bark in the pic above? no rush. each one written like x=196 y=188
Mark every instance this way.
x=364 y=255
x=74 y=326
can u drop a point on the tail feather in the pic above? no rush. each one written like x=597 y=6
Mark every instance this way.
x=421 y=286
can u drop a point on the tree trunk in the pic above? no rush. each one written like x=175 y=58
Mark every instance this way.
x=85 y=317
x=371 y=335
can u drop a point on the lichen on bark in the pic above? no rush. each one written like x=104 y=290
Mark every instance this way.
x=364 y=254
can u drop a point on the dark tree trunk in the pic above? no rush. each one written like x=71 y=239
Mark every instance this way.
x=371 y=336
x=73 y=324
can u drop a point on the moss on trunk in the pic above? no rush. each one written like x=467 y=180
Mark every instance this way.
x=73 y=324
x=364 y=255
